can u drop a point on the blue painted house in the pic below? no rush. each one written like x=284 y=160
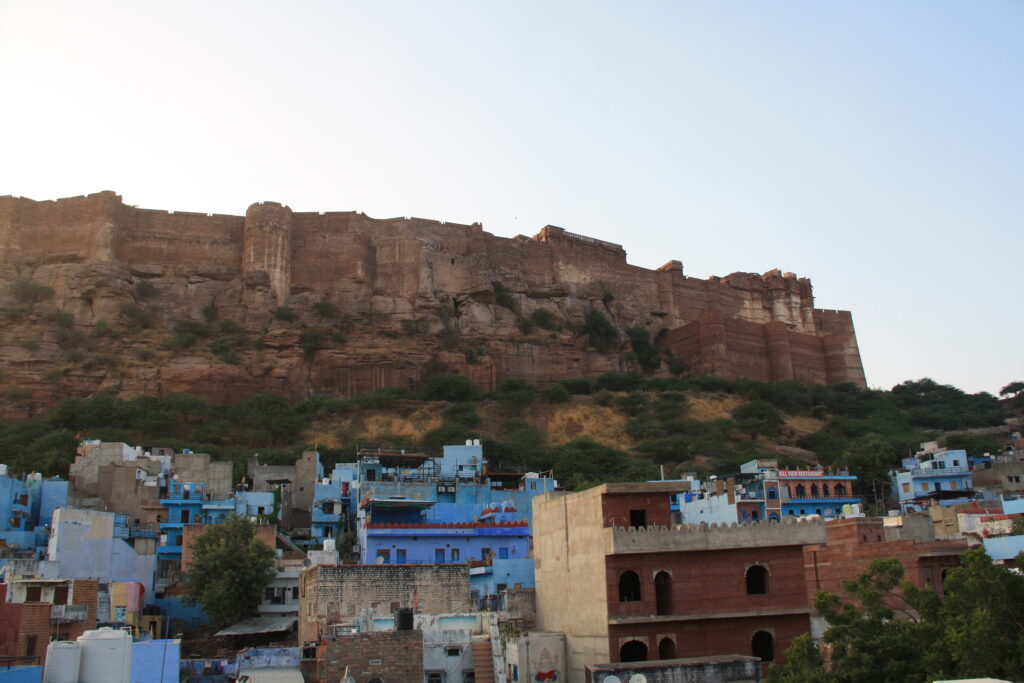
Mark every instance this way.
x=418 y=509
x=26 y=513
x=927 y=478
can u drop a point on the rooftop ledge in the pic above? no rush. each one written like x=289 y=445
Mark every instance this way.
x=696 y=537
x=664 y=618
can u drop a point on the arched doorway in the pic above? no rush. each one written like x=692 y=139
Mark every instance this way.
x=757 y=580
x=667 y=649
x=763 y=645
x=629 y=587
x=663 y=592
x=633 y=651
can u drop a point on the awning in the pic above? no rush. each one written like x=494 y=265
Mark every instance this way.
x=268 y=675
x=259 y=625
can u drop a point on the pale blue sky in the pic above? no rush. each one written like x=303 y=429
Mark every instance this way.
x=875 y=147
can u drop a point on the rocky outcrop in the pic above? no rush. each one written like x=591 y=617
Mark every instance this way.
x=98 y=295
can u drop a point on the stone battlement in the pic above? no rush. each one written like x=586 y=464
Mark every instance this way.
x=693 y=537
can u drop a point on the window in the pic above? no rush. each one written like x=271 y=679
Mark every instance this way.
x=906 y=488
x=502 y=553
x=295 y=592
x=33 y=594
x=772 y=495
x=329 y=508
x=184 y=516
x=763 y=645
x=468 y=676
x=755 y=515
x=801 y=492
x=840 y=490
x=30 y=646
x=485 y=553
x=924 y=486
x=663 y=593
x=439 y=555
x=383 y=556
x=757 y=580
x=533 y=486
x=638 y=518
x=435 y=677
x=60 y=595
x=400 y=556
x=453 y=651
x=633 y=651
x=667 y=649
x=956 y=463
x=814 y=490
x=952 y=486
x=629 y=587
x=455 y=554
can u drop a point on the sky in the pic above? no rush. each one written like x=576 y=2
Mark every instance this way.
x=876 y=147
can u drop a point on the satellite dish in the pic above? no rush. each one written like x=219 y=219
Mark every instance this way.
x=638 y=678
x=612 y=679
x=380 y=559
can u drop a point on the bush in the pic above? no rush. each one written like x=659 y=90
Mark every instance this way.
x=474 y=354
x=526 y=325
x=312 y=340
x=74 y=356
x=578 y=385
x=193 y=327
x=139 y=317
x=220 y=346
x=183 y=340
x=26 y=292
x=601 y=334
x=545 y=319
x=456 y=388
x=210 y=312
x=555 y=393
x=230 y=357
x=515 y=394
x=229 y=326
x=758 y=417
x=449 y=337
x=434 y=441
x=338 y=338
x=462 y=413
x=285 y=314
x=146 y=290
x=648 y=356
x=68 y=338
x=62 y=319
x=144 y=355
x=390 y=334
x=620 y=381
x=385 y=397
x=325 y=309
x=503 y=296
x=607 y=297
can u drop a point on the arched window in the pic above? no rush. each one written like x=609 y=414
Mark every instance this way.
x=840 y=491
x=814 y=490
x=757 y=580
x=633 y=651
x=774 y=517
x=755 y=515
x=629 y=587
x=667 y=649
x=663 y=592
x=763 y=645
x=772 y=494
x=801 y=492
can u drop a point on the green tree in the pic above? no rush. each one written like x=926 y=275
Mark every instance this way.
x=804 y=664
x=871 y=458
x=230 y=569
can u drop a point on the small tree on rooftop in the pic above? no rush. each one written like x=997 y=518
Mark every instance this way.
x=229 y=572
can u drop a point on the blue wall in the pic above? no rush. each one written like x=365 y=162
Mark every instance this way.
x=25 y=674
x=176 y=608
x=156 y=661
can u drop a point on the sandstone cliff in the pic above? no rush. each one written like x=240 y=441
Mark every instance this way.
x=98 y=295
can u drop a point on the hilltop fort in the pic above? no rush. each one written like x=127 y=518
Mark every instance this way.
x=101 y=295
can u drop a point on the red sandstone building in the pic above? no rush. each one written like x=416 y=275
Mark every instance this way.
x=35 y=611
x=625 y=585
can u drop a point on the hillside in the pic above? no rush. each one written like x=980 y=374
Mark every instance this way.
x=618 y=426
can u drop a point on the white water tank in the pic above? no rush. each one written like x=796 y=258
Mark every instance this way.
x=106 y=656
x=62 y=659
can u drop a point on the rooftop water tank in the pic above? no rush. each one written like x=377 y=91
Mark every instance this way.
x=62 y=659
x=106 y=656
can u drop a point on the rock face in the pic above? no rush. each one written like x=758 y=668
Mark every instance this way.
x=93 y=289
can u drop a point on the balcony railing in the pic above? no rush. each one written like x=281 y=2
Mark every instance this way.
x=938 y=472
x=68 y=613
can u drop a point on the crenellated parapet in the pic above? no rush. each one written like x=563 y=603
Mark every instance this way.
x=692 y=537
